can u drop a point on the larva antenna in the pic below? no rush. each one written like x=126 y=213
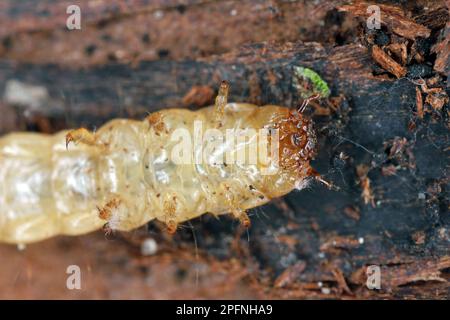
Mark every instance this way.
x=313 y=173
x=305 y=102
x=223 y=90
x=221 y=100
x=222 y=96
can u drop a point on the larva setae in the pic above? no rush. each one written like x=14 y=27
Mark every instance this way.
x=122 y=176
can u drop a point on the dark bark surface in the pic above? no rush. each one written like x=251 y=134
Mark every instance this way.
x=369 y=131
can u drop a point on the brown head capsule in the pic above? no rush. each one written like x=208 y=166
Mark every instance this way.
x=297 y=140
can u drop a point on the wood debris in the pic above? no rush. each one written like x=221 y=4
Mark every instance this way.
x=389 y=170
x=364 y=181
x=387 y=63
x=340 y=242
x=437 y=100
x=288 y=240
x=400 y=151
x=398 y=147
x=392 y=17
x=406 y=273
x=290 y=275
x=436 y=97
x=442 y=50
x=419 y=237
x=353 y=212
x=400 y=51
x=340 y=279
x=199 y=96
x=419 y=103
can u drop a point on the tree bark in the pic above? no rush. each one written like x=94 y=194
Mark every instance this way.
x=372 y=145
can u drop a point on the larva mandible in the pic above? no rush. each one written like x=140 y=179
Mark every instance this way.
x=121 y=176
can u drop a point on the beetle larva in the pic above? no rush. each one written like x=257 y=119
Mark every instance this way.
x=122 y=176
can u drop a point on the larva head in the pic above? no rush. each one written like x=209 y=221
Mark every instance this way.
x=297 y=141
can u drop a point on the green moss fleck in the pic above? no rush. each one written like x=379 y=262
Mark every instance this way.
x=309 y=83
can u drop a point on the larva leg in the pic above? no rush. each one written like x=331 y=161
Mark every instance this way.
x=155 y=121
x=105 y=212
x=233 y=203
x=170 y=208
x=119 y=215
x=221 y=100
x=80 y=135
x=242 y=216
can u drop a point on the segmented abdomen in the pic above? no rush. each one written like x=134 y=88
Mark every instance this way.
x=44 y=189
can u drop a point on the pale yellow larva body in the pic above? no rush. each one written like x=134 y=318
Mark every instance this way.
x=48 y=190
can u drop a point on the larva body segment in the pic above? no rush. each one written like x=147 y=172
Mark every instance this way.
x=124 y=174
x=44 y=189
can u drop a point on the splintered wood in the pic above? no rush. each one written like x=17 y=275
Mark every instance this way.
x=387 y=63
x=399 y=275
x=392 y=17
x=419 y=103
